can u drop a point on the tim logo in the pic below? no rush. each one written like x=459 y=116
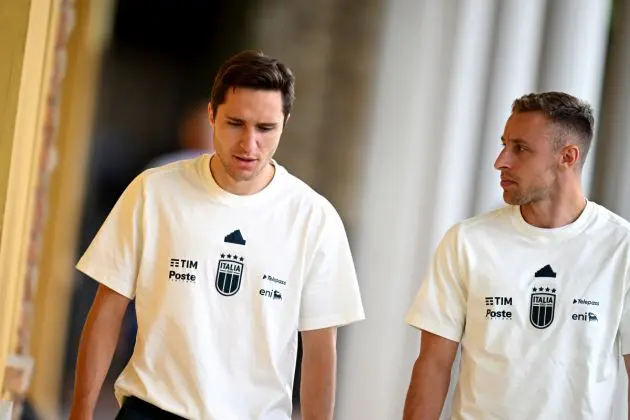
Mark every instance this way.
x=498 y=301
x=180 y=263
x=229 y=274
x=542 y=307
x=175 y=274
x=273 y=294
x=586 y=316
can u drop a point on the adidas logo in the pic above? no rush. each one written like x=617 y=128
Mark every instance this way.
x=235 y=238
x=546 y=271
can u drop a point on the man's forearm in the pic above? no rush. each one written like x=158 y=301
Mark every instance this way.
x=318 y=385
x=427 y=391
x=96 y=350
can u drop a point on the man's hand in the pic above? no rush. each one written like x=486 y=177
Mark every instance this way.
x=430 y=378
x=319 y=365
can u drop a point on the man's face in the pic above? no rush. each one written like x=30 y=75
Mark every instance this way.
x=528 y=163
x=247 y=129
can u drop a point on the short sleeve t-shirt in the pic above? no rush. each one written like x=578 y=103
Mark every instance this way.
x=223 y=283
x=542 y=315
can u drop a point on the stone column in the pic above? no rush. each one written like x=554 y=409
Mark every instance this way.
x=612 y=164
x=399 y=185
x=300 y=34
x=330 y=46
x=574 y=55
x=512 y=73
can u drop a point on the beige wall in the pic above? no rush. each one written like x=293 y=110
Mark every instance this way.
x=48 y=73
x=14 y=18
x=28 y=37
x=65 y=197
x=13 y=24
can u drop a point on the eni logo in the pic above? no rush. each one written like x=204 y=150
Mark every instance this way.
x=586 y=316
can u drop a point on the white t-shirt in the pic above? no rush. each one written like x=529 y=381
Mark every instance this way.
x=542 y=315
x=223 y=284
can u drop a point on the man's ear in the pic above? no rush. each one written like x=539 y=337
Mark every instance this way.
x=286 y=120
x=570 y=155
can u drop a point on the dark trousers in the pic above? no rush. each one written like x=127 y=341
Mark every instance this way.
x=136 y=409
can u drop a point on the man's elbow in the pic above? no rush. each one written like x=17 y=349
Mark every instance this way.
x=437 y=361
x=432 y=367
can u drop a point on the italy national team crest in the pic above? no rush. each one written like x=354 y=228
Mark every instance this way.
x=542 y=306
x=229 y=274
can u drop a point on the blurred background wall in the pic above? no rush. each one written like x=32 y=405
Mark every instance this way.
x=399 y=112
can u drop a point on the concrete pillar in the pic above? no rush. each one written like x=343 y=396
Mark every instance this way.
x=612 y=163
x=299 y=34
x=330 y=46
x=611 y=187
x=574 y=55
x=466 y=97
x=400 y=160
x=349 y=91
x=513 y=72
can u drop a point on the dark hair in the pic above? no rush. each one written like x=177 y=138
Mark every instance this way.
x=254 y=70
x=572 y=115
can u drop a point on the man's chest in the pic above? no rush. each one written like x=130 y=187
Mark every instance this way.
x=545 y=298
x=232 y=264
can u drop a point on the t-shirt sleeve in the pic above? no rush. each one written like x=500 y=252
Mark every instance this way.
x=439 y=306
x=113 y=256
x=330 y=296
x=624 y=327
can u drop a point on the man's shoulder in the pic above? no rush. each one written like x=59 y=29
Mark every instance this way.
x=482 y=222
x=174 y=157
x=606 y=219
x=159 y=176
x=303 y=197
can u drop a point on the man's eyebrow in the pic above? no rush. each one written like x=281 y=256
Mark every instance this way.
x=260 y=124
x=517 y=141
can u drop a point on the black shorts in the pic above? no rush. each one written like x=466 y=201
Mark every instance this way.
x=136 y=409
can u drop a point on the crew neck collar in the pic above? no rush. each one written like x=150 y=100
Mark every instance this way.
x=552 y=234
x=203 y=168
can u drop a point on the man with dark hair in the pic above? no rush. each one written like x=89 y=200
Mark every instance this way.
x=228 y=256
x=536 y=293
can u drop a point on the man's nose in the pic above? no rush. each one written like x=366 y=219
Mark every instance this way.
x=249 y=140
x=502 y=161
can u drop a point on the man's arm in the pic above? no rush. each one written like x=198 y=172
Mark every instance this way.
x=98 y=343
x=430 y=378
x=319 y=365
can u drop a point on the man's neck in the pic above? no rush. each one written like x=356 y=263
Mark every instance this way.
x=253 y=186
x=554 y=212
